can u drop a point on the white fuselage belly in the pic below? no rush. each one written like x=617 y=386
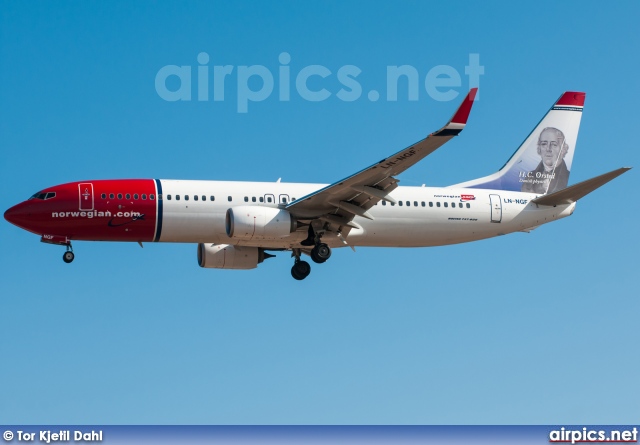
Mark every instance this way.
x=203 y=221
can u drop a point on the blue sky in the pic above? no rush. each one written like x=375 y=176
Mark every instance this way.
x=527 y=328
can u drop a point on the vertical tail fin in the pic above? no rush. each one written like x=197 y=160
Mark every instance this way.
x=543 y=162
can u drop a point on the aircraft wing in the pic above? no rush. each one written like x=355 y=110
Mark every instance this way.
x=341 y=201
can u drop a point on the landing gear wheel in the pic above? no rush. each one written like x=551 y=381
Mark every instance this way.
x=300 y=270
x=68 y=257
x=321 y=253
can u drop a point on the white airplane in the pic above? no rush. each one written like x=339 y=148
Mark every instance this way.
x=236 y=224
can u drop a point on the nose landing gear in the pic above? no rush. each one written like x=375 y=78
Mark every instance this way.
x=59 y=240
x=68 y=256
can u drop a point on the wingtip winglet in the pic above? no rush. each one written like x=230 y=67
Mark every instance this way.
x=462 y=114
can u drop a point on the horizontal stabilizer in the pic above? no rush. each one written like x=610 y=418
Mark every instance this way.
x=579 y=190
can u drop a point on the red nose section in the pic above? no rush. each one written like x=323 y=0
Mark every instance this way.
x=11 y=215
x=20 y=215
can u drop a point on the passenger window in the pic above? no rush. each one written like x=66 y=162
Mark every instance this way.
x=186 y=197
x=438 y=204
x=253 y=199
x=135 y=196
x=460 y=205
x=229 y=198
x=400 y=203
x=453 y=205
x=468 y=205
x=169 y=197
x=393 y=203
x=408 y=203
x=430 y=204
x=424 y=204
x=195 y=197
x=103 y=196
x=128 y=196
x=293 y=199
x=119 y=195
x=415 y=203
x=212 y=198
x=269 y=199
x=111 y=196
x=152 y=197
x=246 y=199
x=204 y=198
x=284 y=200
x=261 y=199
x=177 y=197
x=384 y=203
x=159 y=197
x=144 y=196
x=446 y=204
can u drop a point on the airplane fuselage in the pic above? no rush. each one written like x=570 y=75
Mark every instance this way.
x=148 y=210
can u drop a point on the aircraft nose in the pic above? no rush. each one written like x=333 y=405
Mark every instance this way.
x=11 y=214
x=16 y=215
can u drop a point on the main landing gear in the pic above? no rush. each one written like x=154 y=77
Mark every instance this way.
x=320 y=253
x=300 y=270
x=68 y=256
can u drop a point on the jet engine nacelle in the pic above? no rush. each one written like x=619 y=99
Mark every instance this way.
x=257 y=223
x=227 y=256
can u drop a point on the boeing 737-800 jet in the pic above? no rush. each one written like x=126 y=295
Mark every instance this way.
x=236 y=224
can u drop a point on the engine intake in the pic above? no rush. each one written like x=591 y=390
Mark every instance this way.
x=258 y=223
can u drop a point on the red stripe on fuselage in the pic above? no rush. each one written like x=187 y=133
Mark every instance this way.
x=70 y=213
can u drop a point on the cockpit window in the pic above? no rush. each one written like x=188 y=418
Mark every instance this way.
x=42 y=195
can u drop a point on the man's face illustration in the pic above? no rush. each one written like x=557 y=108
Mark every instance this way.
x=549 y=146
